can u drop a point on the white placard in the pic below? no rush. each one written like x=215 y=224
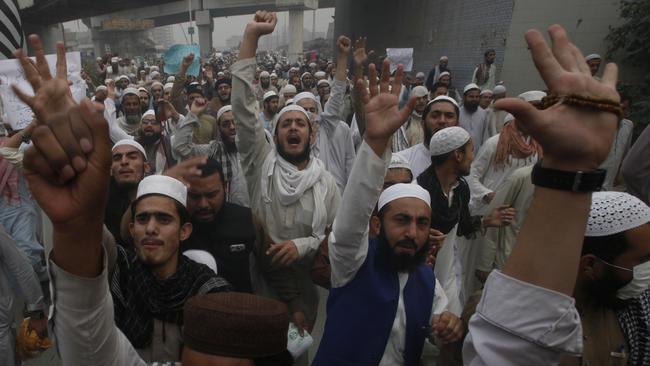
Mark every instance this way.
x=398 y=56
x=17 y=113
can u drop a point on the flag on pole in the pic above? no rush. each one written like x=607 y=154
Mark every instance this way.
x=11 y=30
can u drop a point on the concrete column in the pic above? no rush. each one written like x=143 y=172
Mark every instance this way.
x=99 y=44
x=295 y=35
x=205 y=24
x=49 y=34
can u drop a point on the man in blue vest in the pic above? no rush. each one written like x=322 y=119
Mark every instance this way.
x=380 y=305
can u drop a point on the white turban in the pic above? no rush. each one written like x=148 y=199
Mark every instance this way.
x=444 y=73
x=293 y=107
x=289 y=88
x=443 y=98
x=305 y=74
x=150 y=112
x=163 y=185
x=444 y=58
x=419 y=91
x=157 y=83
x=419 y=75
x=171 y=79
x=130 y=142
x=168 y=86
x=593 y=56
x=101 y=87
x=447 y=140
x=269 y=94
x=398 y=162
x=470 y=86
x=532 y=96
x=486 y=91
x=264 y=74
x=141 y=89
x=130 y=90
x=323 y=82
x=403 y=190
x=222 y=110
x=499 y=89
x=304 y=95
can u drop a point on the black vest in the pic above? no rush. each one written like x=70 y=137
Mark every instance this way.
x=230 y=238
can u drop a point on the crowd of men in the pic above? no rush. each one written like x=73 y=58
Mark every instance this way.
x=200 y=220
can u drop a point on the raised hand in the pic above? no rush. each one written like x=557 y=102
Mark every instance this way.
x=344 y=44
x=51 y=95
x=185 y=64
x=187 y=170
x=360 y=55
x=381 y=106
x=560 y=127
x=110 y=87
x=263 y=22
x=198 y=106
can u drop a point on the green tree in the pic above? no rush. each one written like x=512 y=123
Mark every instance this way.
x=631 y=42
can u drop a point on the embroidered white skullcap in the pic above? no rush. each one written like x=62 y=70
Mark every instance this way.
x=168 y=86
x=130 y=90
x=143 y=90
x=203 y=257
x=419 y=91
x=154 y=74
x=163 y=185
x=443 y=98
x=508 y=118
x=292 y=107
x=150 y=112
x=171 y=79
x=532 y=96
x=323 y=82
x=403 y=190
x=443 y=74
x=289 y=88
x=222 y=110
x=486 y=91
x=320 y=74
x=615 y=212
x=447 y=140
x=444 y=58
x=122 y=77
x=265 y=74
x=419 y=75
x=157 y=83
x=101 y=87
x=470 y=86
x=269 y=94
x=499 y=89
x=130 y=142
x=305 y=74
x=399 y=162
x=304 y=95
x=593 y=56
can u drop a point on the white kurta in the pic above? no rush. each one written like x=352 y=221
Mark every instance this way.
x=419 y=158
x=476 y=124
x=619 y=149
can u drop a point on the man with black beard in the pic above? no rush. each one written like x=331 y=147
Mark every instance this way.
x=131 y=112
x=485 y=73
x=472 y=118
x=270 y=108
x=381 y=305
x=155 y=143
x=223 y=149
x=264 y=86
x=221 y=96
x=145 y=100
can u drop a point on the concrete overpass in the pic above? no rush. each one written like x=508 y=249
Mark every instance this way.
x=39 y=17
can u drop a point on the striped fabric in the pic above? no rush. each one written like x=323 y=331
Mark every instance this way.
x=11 y=30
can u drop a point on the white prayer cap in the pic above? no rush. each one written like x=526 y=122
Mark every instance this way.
x=499 y=89
x=305 y=74
x=168 y=86
x=154 y=74
x=403 y=190
x=320 y=74
x=447 y=140
x=101 y=87
x=156 y=83
x=219 y=74
x=294 y=69
x=615 y=212
x=269 y=94
x=593 y=56
x=419 y=91
x=130 y=90
x=265 y=74
x=149 y=112
x=122 y=77
x=470 y=86
x=486 y=91
x=508 y=118
x=398 y=162
x=130 y=142
x=289 y=102
x=419 y=75
x=444 y=73
x=323 y=82
x=153 y=68
x=304 y=95
x=532 y=96
x=292 y=107
x=289 y=88
x=274 y=75
x=99 y=58
x=203 y=257
x=163 y=185
x=171 y=79
x=313 y=64
x=444 y=98
x=444 y=58
x=141 y=89
x=222 y=110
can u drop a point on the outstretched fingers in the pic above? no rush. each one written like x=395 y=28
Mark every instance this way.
x=362 y=91
x=384 y=82
x=372 y=80
x=547 y=65
x=29 y=67
x=61 y=62
x=610 y=75
x=41 y=62
x=562 y=48
x=396 y=86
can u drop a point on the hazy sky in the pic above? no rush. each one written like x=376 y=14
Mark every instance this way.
x=226 y=27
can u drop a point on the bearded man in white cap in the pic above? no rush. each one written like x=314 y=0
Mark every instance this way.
x=485 y=98
x=323 y=89
x=156 y=144
x=412 y=131
x=264 y=86
x=451 y=157
x=287 y=92
x=473 y=118
x=130 y=111
x=434 y=74
x=439 y=113
x=223 y=149
x=333 y=145
x=307 y=82
x=291 y=192
x=594 y=60
x=269 y=108
x=496 y=116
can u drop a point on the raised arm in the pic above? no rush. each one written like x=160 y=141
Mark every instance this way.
x=183 y=144
x=348 y=243
x=332 y=114
x=529 y=279
x=179 y=83
x=360 y=57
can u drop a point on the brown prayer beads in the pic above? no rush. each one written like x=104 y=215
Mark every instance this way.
x=604 y=105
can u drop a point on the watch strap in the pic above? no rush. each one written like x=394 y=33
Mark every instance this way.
x=580 y=181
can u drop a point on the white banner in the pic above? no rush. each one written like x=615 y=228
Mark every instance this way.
x=17 y=113
x=398 y=56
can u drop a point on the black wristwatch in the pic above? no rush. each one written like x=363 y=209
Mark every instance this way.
x=580 y=181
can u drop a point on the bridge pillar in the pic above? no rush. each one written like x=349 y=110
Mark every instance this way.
x=206 y=25
x=295 y=35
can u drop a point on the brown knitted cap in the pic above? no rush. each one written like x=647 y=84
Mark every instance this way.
x=233 y=324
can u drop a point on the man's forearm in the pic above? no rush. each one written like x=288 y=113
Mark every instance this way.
x=77 y=248
x=542 y=258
